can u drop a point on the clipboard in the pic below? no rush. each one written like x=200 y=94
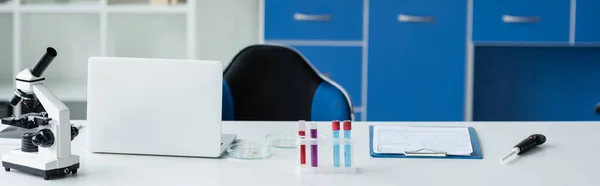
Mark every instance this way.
x=428 y=153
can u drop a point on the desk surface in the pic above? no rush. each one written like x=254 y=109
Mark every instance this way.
x=569 y=157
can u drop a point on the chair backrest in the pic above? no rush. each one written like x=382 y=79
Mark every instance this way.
x=276 y=83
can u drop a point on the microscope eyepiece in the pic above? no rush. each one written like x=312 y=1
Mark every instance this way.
x=43 y=63
x=37 y=70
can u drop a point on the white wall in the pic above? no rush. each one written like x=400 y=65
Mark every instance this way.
x=5 y=48
x=75 y=37
x=226 y=27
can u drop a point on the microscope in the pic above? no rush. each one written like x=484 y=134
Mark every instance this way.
x=47 y=152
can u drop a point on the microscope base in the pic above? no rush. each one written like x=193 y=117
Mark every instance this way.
x=47 y=174
x=34 y=163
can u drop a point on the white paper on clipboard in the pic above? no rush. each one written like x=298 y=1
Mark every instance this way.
x=401 y=139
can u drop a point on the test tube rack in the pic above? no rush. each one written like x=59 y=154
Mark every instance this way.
x=325 y=162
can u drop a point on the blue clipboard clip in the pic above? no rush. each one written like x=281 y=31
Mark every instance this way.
x=426 y=152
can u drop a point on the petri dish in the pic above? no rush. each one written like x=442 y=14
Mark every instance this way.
x=249 y=151
x=281 y=140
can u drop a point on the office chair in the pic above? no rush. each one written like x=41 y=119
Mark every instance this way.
x=276 y=83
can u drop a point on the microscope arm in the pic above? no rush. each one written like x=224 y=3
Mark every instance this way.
x=60 y=114
x=53 y=106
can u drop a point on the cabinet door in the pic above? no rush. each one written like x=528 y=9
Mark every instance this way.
x=313 y=19
x=587 y=26
x=357 y=116
x=341 y=64
x=521 y=21
x=417 y=52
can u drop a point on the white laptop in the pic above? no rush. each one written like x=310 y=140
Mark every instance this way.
x=155 y=107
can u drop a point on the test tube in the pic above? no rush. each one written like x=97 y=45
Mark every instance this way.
x=335 y=126
x=313 y=147
x=302 y=134
x=347 y=143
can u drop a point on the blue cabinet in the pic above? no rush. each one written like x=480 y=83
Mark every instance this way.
x=416 y=63
x=517 y=21
x=536 y=83
x=357 y=116
x=341 y=64
x=587 y=27
x=313 y=19
x=417 y=59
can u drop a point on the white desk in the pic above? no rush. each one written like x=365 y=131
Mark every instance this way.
x=569 y=157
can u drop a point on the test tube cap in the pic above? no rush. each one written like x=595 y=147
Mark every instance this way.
x=335 y=125
x=301 y=128
x=313 y=130
x=301 y=125
x=347 y=125
x=313 y=125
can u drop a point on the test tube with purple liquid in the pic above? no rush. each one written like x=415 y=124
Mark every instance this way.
x=313 y=147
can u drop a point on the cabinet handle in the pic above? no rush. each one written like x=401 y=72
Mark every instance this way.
x=520 y=19
x=308 y=17
x=415 y=19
